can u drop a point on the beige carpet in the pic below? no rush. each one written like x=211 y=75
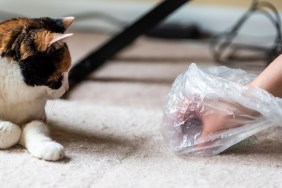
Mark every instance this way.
x=110 y=124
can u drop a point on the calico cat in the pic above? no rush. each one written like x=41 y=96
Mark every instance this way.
x=34 y=67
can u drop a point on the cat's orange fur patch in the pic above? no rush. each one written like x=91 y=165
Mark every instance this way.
x=6 y=34
x=7 y=27
x=42 y=40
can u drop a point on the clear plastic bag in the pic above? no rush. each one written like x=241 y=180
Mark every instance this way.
x=200 y=98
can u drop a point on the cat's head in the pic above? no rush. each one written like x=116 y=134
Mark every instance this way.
x=38 y=47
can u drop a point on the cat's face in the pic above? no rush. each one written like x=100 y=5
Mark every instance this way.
x=38 y=46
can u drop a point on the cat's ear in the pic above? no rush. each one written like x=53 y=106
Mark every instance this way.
x=57 y=37
x=44 y=39
x=67 y=21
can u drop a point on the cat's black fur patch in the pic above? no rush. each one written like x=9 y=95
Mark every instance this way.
x=54 y=25
x=37 y=69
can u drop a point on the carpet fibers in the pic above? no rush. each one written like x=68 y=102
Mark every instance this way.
x=109 y=126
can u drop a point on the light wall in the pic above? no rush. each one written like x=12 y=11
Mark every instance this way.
x=211 y=15
x=229 y=3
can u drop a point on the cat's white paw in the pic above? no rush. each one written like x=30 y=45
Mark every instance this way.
x=9 y=134
x=47 y=150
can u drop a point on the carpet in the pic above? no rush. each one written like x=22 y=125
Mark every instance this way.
x=109 y=146
x=110 y=128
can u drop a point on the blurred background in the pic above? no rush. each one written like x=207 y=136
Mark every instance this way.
x=215 y=31
x=233 y=33
x=110 y=121
x=210 y=15
x=199 y=19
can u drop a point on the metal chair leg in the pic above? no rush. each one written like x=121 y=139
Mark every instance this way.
x=99 y=57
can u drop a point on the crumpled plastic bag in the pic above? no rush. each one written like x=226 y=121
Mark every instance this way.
x=201 y=93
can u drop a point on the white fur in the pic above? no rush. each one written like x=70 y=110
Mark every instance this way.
x=35 y=139
x=22 y=106
x=9 y=134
